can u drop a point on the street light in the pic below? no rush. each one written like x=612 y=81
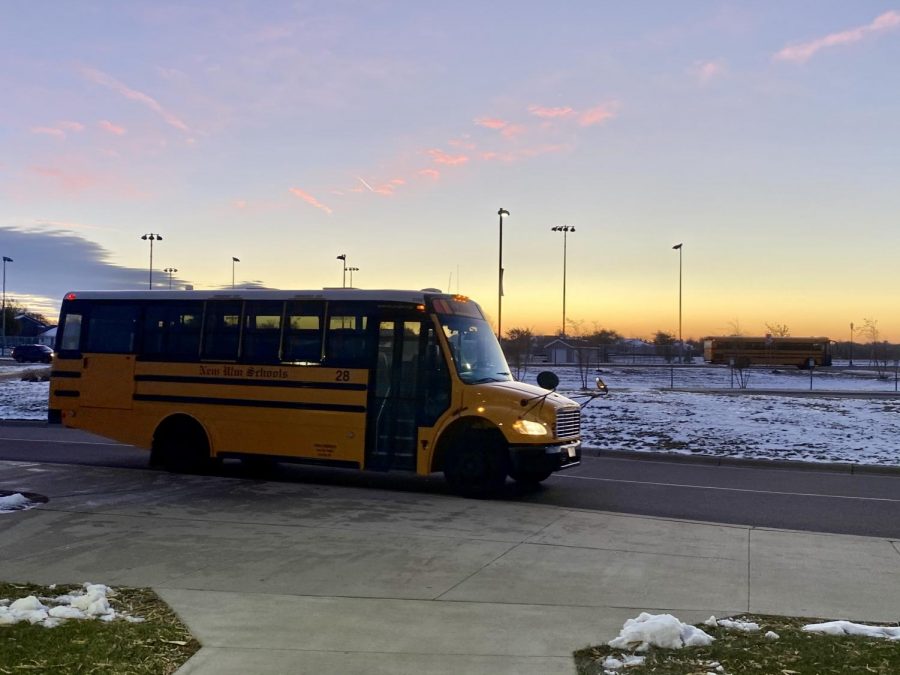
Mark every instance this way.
x=343 y=256
x=170 y=271
x=851 y=342
x=565 y=229
x=680 y=339
x=501 y=213
x=151 y=237
x=352 y=270
x=233 y=260
x=5 y=260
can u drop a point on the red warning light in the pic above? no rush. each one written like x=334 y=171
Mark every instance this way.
x=70 y=296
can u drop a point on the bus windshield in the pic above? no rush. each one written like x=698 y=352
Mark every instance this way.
x=475 y=350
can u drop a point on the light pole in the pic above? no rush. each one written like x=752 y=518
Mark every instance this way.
x=233 y=261
x=170 y=271
x=343 y=257
x=151 y=237
x=501 y=213
x=851 y=343
x=680 y=338
x=352 y=270
x=565 y=229
x=5 y=260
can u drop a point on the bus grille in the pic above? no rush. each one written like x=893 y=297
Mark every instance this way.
x=568 y=422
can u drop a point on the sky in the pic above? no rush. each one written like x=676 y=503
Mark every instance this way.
x=763 y=136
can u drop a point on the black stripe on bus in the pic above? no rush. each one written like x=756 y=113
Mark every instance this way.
x=67 y=392
x=234 y=381
x=250 y=403
x=65 y=373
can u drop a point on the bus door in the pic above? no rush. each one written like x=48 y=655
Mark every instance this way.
x=411 y=389
x=108 y=356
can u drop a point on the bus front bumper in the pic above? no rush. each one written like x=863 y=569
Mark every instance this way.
x=538 y=458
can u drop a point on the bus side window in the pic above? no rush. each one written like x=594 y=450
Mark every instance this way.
x=303 y=332
x=172 y=331
x=221 y=330
x=262 y=332
x=347 y=339
x=112 y=328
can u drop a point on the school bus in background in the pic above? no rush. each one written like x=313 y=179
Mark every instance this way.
x=374 y=380
x=768 y=350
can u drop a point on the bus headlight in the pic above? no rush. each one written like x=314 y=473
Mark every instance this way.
x=529 y=428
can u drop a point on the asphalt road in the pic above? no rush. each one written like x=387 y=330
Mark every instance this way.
x=817 y=500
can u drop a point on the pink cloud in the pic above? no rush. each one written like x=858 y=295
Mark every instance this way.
x=550 y=113
x=114 y=129
x=309 y=199
x=802 y=52
x=598 y=114
x=49 y=131
x=524 y=153
x=491 y=122
x=512 y=130
x=398 y=181
x=59 y=131
x=463 y=143
x=705 y=71
x=69 y=181
x=240 y=204
x=430 y=173
x=441 y=157
x=110 y=82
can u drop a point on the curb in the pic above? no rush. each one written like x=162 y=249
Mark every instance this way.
x=713 y=460
x=22 y=423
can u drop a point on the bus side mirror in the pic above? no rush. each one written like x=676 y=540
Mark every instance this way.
x=601 y=386
x=547 y=380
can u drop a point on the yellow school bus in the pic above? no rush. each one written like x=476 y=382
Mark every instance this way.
x=364 y=379
x=802 y=352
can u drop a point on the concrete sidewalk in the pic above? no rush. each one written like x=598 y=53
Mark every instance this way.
x=277 y=577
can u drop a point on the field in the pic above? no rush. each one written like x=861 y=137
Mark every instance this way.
x=848 y=416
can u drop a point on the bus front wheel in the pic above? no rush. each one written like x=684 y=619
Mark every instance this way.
x=476 y=469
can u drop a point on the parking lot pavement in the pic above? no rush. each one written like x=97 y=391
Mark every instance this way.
x=293 y=577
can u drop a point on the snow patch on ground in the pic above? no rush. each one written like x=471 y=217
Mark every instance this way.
x=14 y=502
x=849 y=628
x=658 y=630
x=90 y=603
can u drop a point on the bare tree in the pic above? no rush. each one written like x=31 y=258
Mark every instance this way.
x=664 y=344
x=583 y=350
x=518 y=346
x=879 y=350
x=735 y=327
x=778 y=329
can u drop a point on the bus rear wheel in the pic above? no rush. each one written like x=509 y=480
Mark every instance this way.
x=476 y=469
x=180 y=445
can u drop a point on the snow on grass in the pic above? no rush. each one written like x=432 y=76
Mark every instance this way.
x=90 y=603
x=658 y=630
x=850 y=628
x=643 y=414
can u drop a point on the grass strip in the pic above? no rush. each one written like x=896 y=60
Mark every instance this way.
x=794 y=653
x=157 y=646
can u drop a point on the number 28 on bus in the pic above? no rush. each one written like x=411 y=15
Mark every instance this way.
x=373 y=380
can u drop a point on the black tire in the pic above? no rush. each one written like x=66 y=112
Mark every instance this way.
x=530 y=477
x=476 y=467
x=182 y=448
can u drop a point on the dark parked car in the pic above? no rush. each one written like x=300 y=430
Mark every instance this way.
x=41 y=353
